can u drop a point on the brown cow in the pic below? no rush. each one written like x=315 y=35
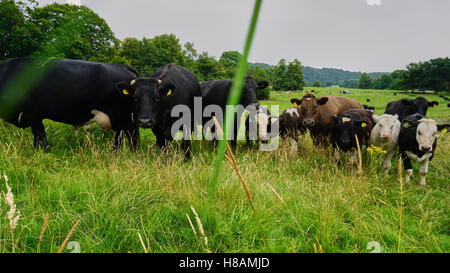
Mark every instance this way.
x=316 y=114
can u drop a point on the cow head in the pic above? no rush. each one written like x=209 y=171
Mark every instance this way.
x=387 y=126
x=426 y=132
x=419 y=105
x=250 y=90
x=147 y=94
x=346 y=127
x=309 y=108
x=263 y=120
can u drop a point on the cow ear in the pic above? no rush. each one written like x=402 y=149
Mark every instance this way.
x=376 y=118
x=263 y=84
x=124 y=88
x=407 y=101
x=167 y=89
x=335 y=118
x=296 y=102
x=433 y=104
x=322 y=101
x=443 y=128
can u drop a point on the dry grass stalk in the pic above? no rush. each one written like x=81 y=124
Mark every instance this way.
x=276 y=193
x=44 y=227
x=200 y=228
x=192 y=225
x=233 y=163
x=401 y=201
x=61 y=248
x=13 y=213
x=142 y=243
x=360 y=170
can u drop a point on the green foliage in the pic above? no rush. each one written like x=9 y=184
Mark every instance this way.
x=430 y=75
x=365 y=81
x=287 y=76
x=317 y=84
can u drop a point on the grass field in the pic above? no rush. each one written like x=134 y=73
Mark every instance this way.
x=120 y=198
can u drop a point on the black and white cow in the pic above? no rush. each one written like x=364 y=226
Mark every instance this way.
x=156 y=96
x=291 y=125
x=72 y=92
x=217 y=92
x=353 y=122
x=406 y=107
x=261 y=124
x=417 y=142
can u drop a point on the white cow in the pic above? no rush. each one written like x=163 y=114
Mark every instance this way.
x=385 y=135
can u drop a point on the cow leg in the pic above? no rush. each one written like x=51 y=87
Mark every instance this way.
x=354 y=157
x=235 y=133
x=387 y=160
x=117 y=141
x=337 y=154
x=407 y=167
x=40 y=137
x=187 y=142
x=133 y=138
x=87 y=129
x=423 y=171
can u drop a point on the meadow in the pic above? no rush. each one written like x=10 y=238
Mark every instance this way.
x=142 y=201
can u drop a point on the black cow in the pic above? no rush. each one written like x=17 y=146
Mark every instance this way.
x=217 y=92
x=448 y=105
x=368 y=100
x=370 y=108
x=157 y=95
x=72 y=92
x=291 y=124
x=406 y=107
x=417 y=141
x=353 y=122
x=263 y=122
x=395 y=94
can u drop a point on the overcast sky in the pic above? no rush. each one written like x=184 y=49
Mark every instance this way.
x=355 y=35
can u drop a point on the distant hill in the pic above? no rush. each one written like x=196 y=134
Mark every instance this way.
x=332 y=75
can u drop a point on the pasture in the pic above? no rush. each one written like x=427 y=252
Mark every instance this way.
x=137 y=202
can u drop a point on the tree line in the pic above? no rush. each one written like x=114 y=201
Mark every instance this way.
x=76 y=32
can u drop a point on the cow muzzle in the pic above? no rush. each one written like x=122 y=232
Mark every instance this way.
x=308 y=123
x=145 y=123
x=425 y=148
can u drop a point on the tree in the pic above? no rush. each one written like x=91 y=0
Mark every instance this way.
x=73 y=32
x=365 y=81
x=383 y=82
x=259 y=74
x=317 y=84
x=294 y=76
x=279 y=73
x=230 y=61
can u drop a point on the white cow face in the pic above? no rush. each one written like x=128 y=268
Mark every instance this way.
x=426 y=134
x=388 y=126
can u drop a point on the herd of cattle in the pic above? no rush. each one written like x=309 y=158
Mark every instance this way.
x=116 y=97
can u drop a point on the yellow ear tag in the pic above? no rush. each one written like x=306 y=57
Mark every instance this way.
x=125 y=92
x=444 y=130
x=363 y=124
x=434 y=105
x=169 y=92
x=295 y=104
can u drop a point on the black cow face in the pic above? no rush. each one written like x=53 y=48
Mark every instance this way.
x=345 y=130
x=250 y=90
x=419 y=105
x=147 y=94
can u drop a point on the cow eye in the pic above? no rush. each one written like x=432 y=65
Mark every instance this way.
x=420 y=133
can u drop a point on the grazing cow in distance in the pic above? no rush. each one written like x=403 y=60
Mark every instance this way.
x=395 y=94
x=368 y=100
x=370 y=108
x=353 y=122
x=385 y=135
x=406 y=107
x=157 y=95
x=263 y=123
x=217 y=92
x=76 y=93
x=315 y=114
x=418 y=141
x=290 y=124
x=344 y=92
x=448 y=105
